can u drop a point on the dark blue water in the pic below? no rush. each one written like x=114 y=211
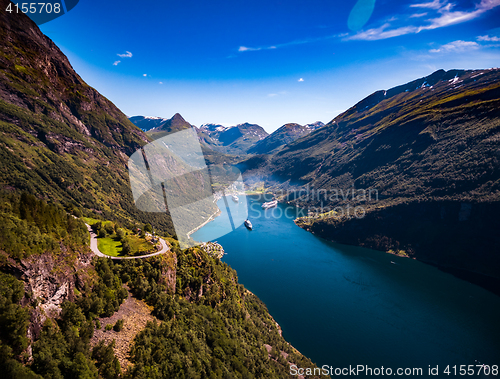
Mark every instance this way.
x=343 y=305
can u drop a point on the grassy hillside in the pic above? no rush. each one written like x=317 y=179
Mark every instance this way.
x=59 y=138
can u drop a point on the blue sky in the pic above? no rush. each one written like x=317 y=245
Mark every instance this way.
x=268 y=62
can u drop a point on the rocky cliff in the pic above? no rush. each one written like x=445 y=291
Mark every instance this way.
x=59 y=137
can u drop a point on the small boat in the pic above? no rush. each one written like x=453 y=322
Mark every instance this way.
x=248 y=224
x=270 y=204
x=235 y=198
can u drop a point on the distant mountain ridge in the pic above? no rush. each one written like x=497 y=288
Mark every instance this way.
x=283 y=136
x=146 y=123
x=226 y=140
x=239 y=139
x=234 y=140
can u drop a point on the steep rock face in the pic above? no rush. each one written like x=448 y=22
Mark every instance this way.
x=37 y=76
x=49 y=280
x=169 y=271
x=59 y=138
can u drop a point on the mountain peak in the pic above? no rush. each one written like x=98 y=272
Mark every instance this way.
x=283 y=136
x=315 y=125
x=177 y=117
x=160 y=124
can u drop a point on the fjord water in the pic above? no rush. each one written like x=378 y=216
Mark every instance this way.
x=343 y=305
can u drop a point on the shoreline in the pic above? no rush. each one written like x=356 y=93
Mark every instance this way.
x=217 y=197
x=211 y=218
x=486 y=282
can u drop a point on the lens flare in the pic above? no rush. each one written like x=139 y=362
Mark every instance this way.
x=360 y=14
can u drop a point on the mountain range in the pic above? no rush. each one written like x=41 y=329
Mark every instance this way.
x=231 y=140
x=283 y=136
x=240 y=139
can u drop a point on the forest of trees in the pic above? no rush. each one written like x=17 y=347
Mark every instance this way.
x=220 y=334
x=210 y=326
x=31 y=226
x=63 y=348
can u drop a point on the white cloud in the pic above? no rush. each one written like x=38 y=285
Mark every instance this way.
x=382 y=33
x=456 y=46
x=116 y=63
x=161 y=82
x=244 y=48
x=291 y=43
x=416 y=15
x=280 y=93
x=446 y=16
x=451 y=18
x=144 y=75
x=488 y=38
x=436 y=4
x=300 y=80
x=488 y=4
x=127 y=54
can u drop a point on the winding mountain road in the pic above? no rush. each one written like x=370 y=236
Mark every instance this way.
x=95 y=249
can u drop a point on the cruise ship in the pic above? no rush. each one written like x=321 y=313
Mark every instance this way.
x=270 y=204
x=248 y=224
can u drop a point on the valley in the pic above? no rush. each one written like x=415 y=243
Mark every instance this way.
x=120 y=259
x=428 y=149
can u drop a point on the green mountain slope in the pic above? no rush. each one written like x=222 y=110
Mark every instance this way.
x=428 y=150
x=59 y=138
x=54 y=295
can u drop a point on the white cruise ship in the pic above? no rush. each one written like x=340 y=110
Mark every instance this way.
x=270 y=204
